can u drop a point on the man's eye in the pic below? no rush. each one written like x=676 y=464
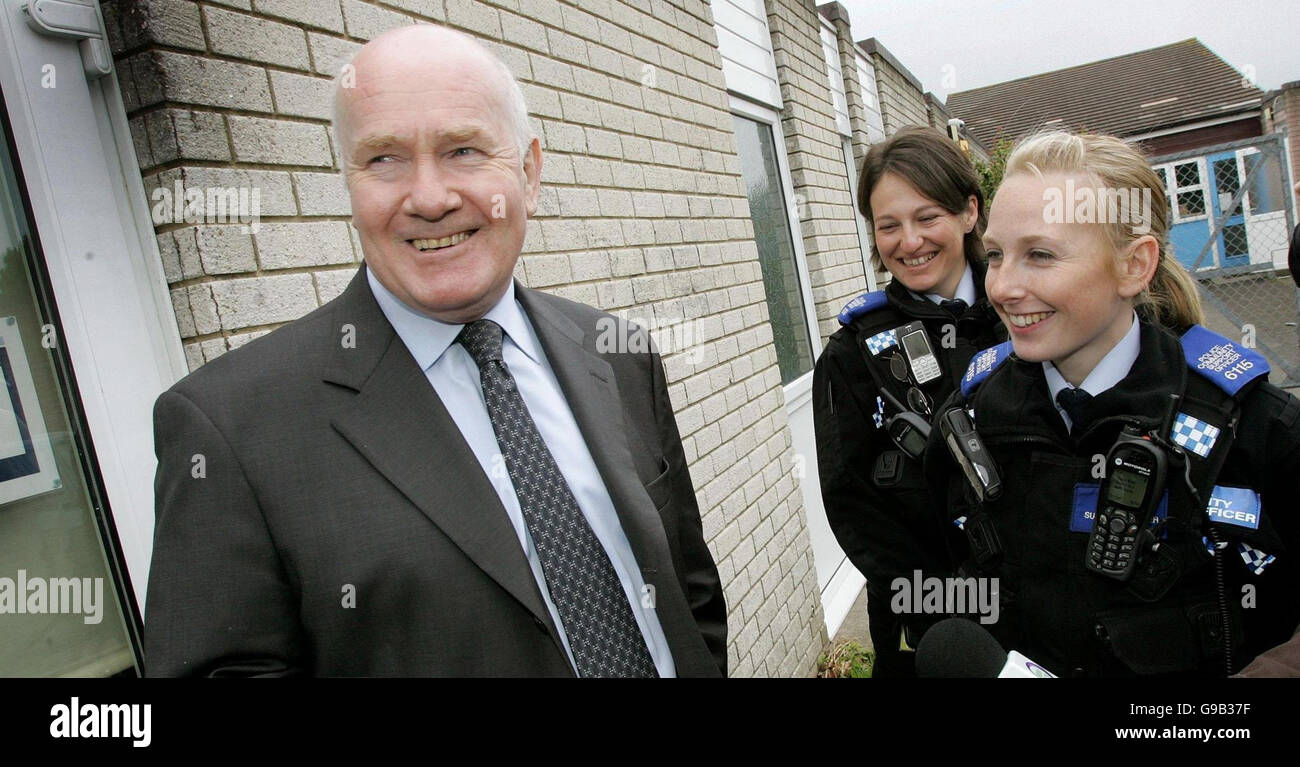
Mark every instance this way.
x=993 y=255
x=463 y=151
x=1041 y=255
x=382 y=158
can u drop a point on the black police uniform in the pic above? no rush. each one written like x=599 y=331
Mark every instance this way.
x=1167 y=619
x=876 y=499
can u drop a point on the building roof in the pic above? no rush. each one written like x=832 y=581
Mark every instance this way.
x=1129 y=95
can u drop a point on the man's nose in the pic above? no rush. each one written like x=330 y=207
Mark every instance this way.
x=432 y=194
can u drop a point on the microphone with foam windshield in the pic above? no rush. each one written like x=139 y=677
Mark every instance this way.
x=957 y=648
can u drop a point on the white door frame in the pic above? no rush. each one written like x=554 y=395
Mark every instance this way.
x=90 y=209
x=843 y=581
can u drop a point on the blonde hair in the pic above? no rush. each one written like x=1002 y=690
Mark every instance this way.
x=1172 y=294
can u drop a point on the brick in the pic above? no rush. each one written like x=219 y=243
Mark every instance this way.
x=256 y=39
x=315 y=243
x=184 y=317
x=193 y=357
x=171 y=260
x=279 y=142
x=561 y=137
x=547 y=71
x=203 y=309
x=322 y=194
x=604 y=143
x=366 y=22
x=525 y=32
x=255 y=301
x=332 y=282
x=567 y=47
x=580 y=109
x=474 y=17
x=274 y=195
x=329 y=54
x=547 y=270
x=578 y=202
x=206 y=82
x=173 y=23
x=564 y=235
x=222 y=249
x=302 y=95
x=321 y=14
x=213 y=348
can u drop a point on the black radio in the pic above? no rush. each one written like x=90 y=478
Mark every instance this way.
x=1134 y=484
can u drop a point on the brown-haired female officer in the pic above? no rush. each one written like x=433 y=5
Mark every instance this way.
x=923 y=199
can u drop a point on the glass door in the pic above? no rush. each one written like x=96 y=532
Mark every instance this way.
x=60 y=610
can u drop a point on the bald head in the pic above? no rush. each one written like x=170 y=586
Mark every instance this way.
x=422 y=51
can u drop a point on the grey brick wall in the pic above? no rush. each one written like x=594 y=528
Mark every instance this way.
x=643 y=213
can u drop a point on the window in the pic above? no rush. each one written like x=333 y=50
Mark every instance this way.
x=777 y=255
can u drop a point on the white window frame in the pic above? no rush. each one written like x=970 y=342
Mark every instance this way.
x=798 y=391
x=1203 y=186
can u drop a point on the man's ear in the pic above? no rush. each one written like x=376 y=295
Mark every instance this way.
x=1138 y=265
x=532 y=174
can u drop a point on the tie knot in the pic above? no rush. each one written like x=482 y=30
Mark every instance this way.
x=1073 y=401
x=482 y=339
x=955 y=306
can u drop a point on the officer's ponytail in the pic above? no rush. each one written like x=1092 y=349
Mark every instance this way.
x=1118 y=167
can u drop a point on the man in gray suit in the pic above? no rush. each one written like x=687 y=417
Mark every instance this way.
x=440 y=472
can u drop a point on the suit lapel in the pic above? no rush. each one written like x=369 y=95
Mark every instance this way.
x=402 y=428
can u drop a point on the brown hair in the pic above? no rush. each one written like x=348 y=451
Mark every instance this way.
x=1114 y=164
x=938 y=169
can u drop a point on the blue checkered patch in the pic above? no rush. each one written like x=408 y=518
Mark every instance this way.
x=1193 y=434
x=882 y=341
x=1255 y=559
x=879 y=416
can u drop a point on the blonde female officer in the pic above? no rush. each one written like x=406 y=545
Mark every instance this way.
x=1104 y=334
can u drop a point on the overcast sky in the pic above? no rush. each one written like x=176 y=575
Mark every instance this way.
x=955 y=45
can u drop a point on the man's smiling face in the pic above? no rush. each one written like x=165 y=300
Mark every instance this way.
x=440 y=193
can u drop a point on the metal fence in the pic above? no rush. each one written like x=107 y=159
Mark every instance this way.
x=1233 y=213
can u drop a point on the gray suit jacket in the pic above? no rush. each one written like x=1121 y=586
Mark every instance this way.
x=319 y=512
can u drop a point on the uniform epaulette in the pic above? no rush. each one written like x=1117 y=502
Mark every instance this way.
x=982 y=364
x=867 y=302
x=1227 y=365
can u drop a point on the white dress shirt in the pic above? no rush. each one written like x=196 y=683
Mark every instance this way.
x=455 y=377
x=1109 y=371
x=965 y=289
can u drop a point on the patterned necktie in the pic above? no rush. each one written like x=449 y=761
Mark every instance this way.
x=598 y=621
x=1073 y=401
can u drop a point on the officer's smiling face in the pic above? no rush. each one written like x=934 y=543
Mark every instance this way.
x=1063 y=292
x=919 y=241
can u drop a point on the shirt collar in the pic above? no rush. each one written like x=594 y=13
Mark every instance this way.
x=1110 y=371
x=427 y=339
x=965 y=289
